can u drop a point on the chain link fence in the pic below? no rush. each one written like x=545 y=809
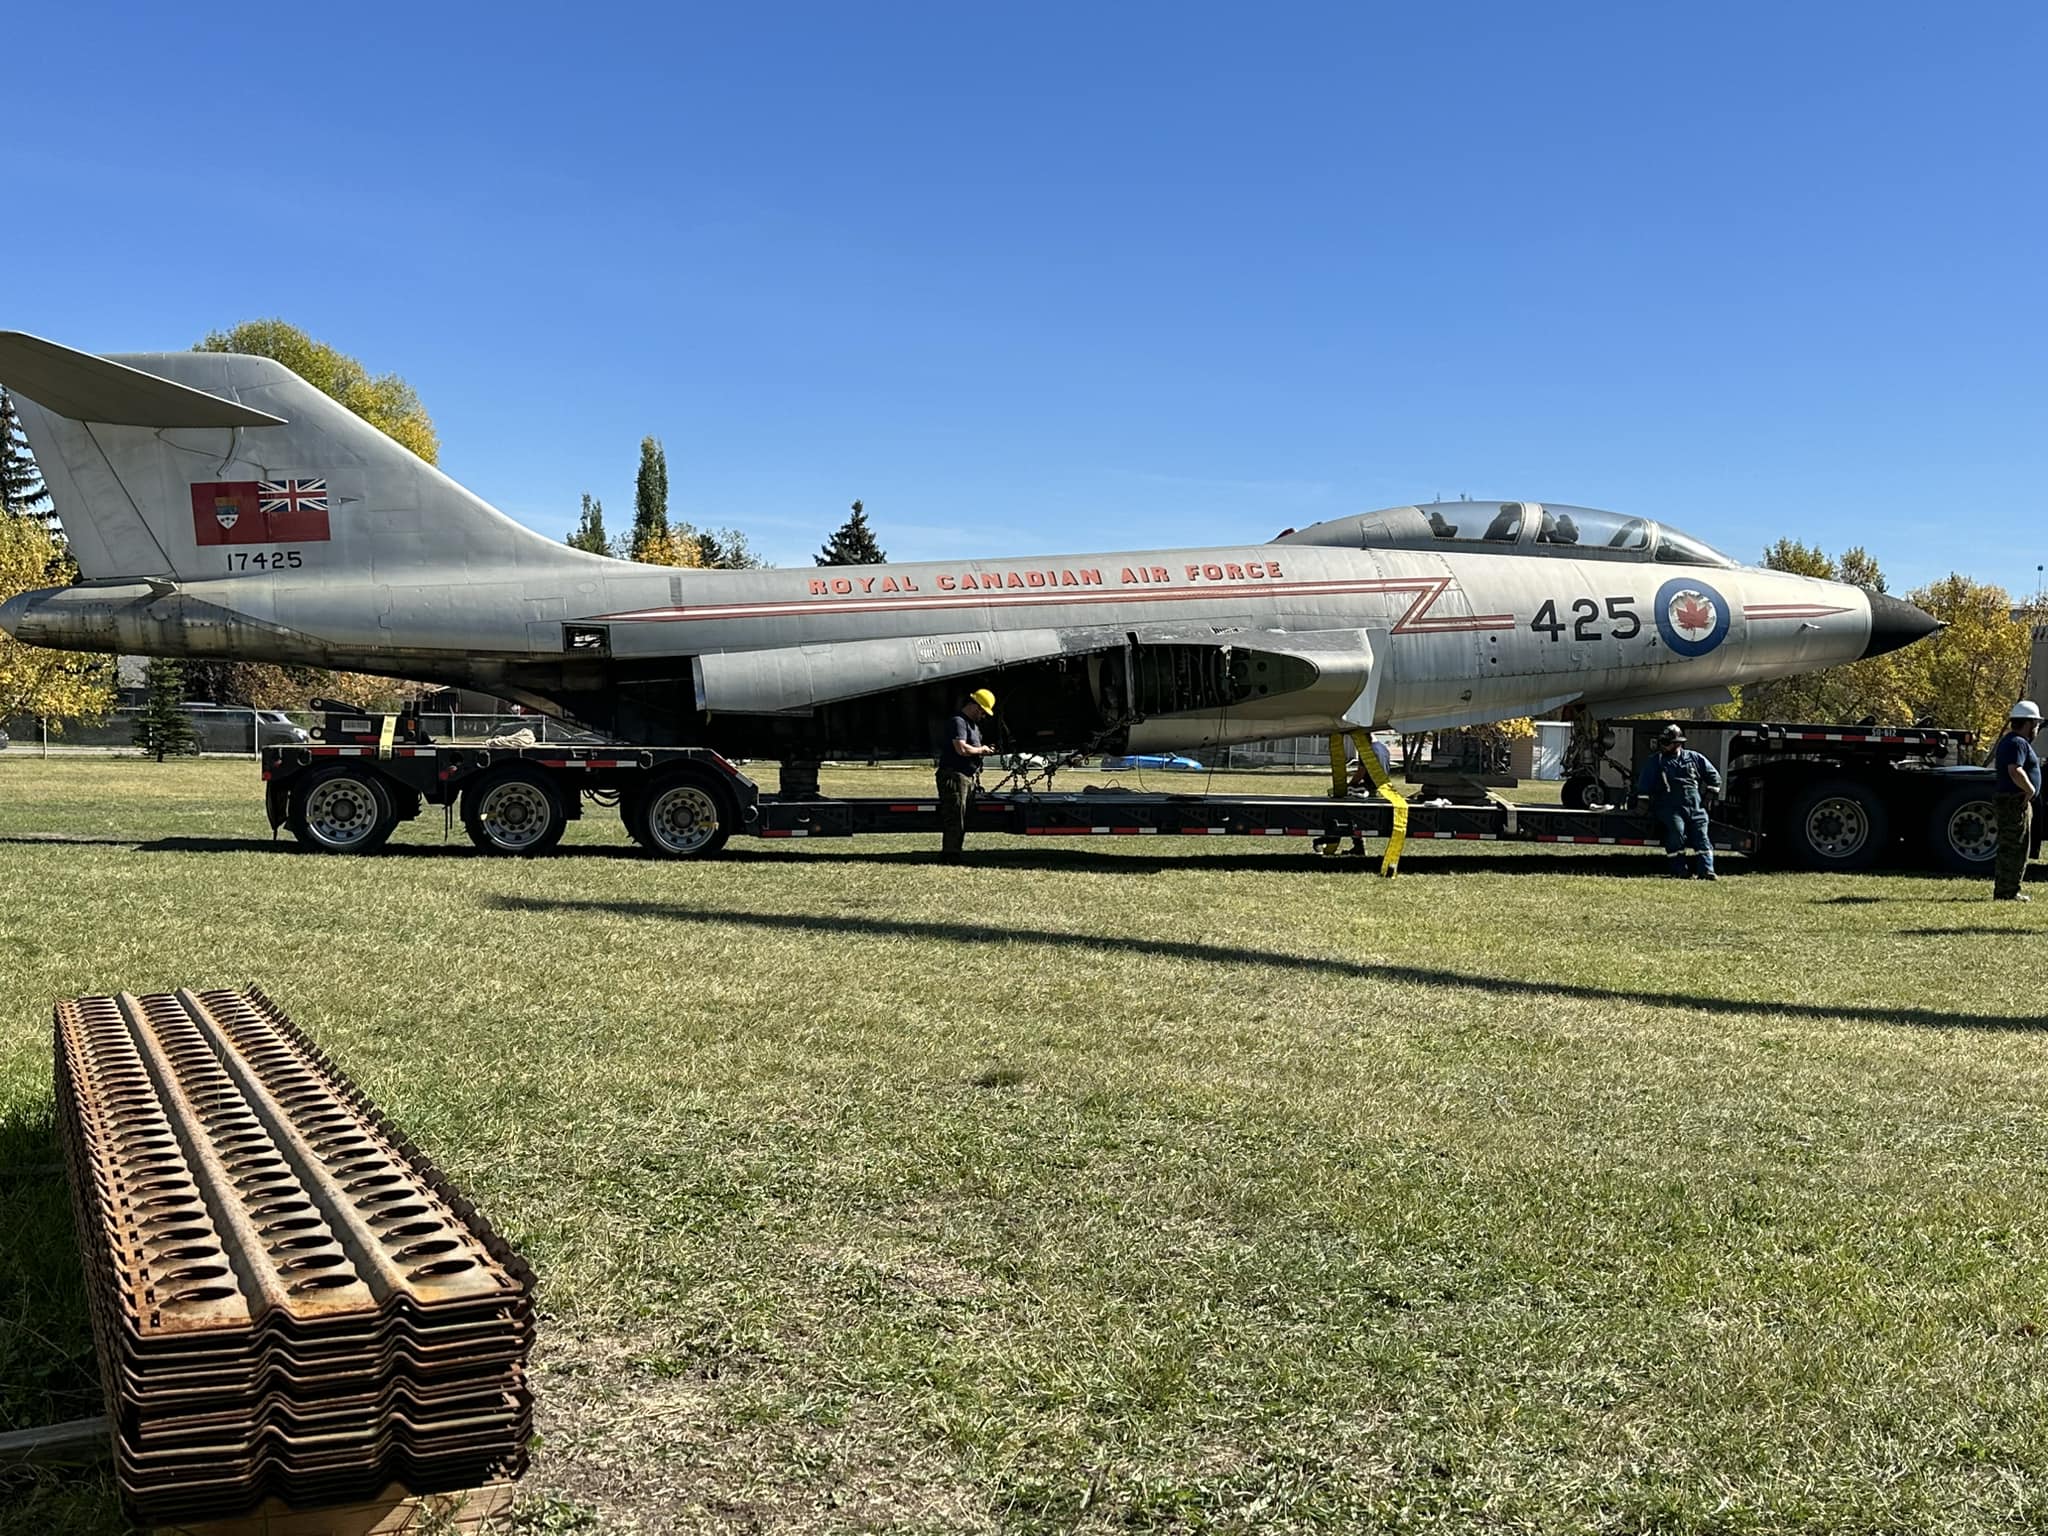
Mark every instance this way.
x=227 y=732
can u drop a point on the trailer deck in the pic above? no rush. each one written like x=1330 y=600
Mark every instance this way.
x=1116 y=813
x=1820 y=796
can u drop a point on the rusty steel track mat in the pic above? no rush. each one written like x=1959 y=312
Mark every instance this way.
x=288 y=1298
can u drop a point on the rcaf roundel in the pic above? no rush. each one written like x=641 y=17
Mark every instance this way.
x=1691 y=616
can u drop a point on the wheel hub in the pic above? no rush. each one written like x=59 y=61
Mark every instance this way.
x=341 y=811
x=1972 y=832
x=683 y=819
x=1837 y=827
x=514 y=815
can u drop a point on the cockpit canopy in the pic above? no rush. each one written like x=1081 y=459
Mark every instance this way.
x=1519 y=527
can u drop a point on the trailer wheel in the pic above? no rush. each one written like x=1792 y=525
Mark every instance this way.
x=1962 y=830
x=1838 y=824
x=342 y=809
x=682 y=815
x=513 y=810
x=1586 y=792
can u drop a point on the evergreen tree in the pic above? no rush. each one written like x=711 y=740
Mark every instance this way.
x=725 y=549
x=163 y=728
x=650 y=498
x=590 y=534
x=22 y=491
x=853 y=544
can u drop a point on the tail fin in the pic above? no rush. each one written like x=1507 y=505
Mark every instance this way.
x=156 y=462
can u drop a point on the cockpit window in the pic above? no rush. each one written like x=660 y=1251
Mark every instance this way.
x=1677 y=549
x=1524 y=527
x=1589 y=528
x=1486 y=521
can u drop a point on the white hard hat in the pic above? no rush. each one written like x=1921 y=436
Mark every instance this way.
x=2026 y=709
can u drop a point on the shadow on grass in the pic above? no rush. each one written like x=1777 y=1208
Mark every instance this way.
x=1077 y=859
x=48 y=1372
x=1421 y=860
x=1221 y=954
x=1968 y=931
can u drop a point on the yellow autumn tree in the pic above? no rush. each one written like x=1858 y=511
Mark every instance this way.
x=54 y=685
x=384 y=400
x=1971 y=673
x=673 y=546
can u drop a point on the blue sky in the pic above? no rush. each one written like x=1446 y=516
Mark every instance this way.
x=1072 y=277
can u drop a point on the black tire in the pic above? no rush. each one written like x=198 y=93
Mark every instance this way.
x=345 y=808
x=685 y=814
x=1962 y=830
x=1587 y=792
x=1837 y=824
x=515 y=811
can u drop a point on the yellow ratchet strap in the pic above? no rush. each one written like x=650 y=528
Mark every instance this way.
x=384 y=736
x=1340 y=787
x=1390 y=862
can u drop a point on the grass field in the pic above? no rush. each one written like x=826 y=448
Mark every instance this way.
x=1133 y=1188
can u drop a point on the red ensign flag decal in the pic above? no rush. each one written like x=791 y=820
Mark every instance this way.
x=260 y=512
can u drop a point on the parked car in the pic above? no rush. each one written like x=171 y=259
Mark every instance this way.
x=274 y=728
x=225 y=727
x=1168 y=762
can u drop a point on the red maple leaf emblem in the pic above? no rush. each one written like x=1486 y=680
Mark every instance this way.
x=1690 y=613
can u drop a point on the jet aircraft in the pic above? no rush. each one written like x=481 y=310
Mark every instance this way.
x=219 y=506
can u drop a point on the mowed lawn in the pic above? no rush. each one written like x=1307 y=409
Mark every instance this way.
x=1131 y=1185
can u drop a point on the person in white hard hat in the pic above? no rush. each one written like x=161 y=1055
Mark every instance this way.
x=2017 y=769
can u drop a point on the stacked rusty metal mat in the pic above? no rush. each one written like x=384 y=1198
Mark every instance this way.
x=288 y=1299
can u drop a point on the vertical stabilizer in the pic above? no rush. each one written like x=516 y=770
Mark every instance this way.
x=188 y=465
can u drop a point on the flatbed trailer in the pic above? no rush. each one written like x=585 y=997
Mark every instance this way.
x=1828 y=797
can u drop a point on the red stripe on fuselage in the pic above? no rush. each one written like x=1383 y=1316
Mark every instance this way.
x=1417 y=620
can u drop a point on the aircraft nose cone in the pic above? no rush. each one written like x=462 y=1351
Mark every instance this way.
x=1893 y=624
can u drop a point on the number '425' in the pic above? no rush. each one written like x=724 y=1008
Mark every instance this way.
x=1622 y=621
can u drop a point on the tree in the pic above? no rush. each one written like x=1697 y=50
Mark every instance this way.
x=1970 y=673
x=1860 y=570
x=853 y=544
x=54 y=686
x=384 y=400
x=590 y=534
x=1800 y=559
x=650 y=500
x=1884 y=687
x=22 y=492
x=678 y=547
x=724 y=549
x=164 y=728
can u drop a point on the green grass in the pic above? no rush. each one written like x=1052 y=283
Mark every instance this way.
x=1134 y=1187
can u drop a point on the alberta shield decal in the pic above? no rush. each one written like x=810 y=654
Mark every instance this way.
x=1691 y=616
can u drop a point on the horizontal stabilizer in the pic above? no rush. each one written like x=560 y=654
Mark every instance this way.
x=88 y=388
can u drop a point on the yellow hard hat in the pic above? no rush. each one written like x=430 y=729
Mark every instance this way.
x=984 y=698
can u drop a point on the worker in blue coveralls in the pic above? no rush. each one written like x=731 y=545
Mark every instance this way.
x=1680 y=783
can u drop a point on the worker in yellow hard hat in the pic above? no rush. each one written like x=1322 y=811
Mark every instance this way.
x=959 y=765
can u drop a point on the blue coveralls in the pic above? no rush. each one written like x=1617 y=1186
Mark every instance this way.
x=1677 y=784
